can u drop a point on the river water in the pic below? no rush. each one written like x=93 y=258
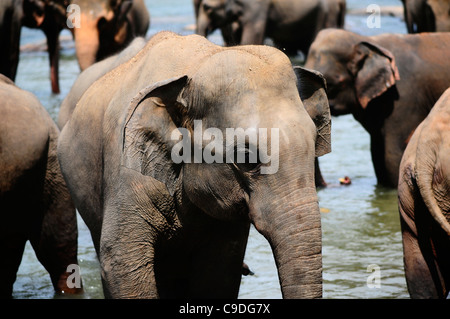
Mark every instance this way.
x=362 y=249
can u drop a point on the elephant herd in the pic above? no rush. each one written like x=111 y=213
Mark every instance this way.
x=108 y=27
x=169 y=228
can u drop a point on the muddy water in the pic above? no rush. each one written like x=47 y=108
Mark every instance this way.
x=360 y=222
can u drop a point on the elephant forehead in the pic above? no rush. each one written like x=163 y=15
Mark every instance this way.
x=234 y=72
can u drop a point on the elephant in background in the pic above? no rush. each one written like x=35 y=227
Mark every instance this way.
x=35 y=204
x=49 y=16
x=292 y=25
x=169 y=227
x=427 y=15
x=388 y=82
x=108 y=26
x=424 y=205
x=93 y=73
x=211 y=15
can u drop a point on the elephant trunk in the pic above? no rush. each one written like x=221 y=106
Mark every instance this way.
x=292 y=226
x=52 y=35
x=87 y=42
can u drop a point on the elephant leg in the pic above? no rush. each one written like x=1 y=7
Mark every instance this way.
x=378 y=151
x=441 y=245
x=127 y=270
x=54 y=240
x=54 y=231
x=318 y=178
x=422 y=276
x=417 y=272
x=127 y=253
x=12 y=246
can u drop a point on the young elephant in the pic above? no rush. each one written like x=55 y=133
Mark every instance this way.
x=168 y=204
x=424 y=205
x=388 y=82
x=35 y=204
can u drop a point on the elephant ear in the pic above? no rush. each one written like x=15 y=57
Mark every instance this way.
x=147 y=131
x=374 y=69
x=311 y=86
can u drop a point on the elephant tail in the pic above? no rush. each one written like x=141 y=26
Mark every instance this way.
x=429 y=178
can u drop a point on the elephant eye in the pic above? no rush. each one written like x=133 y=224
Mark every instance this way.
x=247 y=159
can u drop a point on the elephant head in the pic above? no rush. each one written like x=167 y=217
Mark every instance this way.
x=107 y=26
x=211 y=15
x=356 y=71
x=241 y=148
x=50 y=17
x=251 y=17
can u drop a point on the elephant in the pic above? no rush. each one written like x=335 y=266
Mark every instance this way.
x=93 y=73
x=424 y=197
x=49 y=16
x=107 y=26
x=427 y=15
x=35 y=204
x=97 y=70
x=166 y=220
x=211 y=15
x=292 y=25
x=389 y=83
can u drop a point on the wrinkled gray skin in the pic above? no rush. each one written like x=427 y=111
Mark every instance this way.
x=427 y=15
x=96 y=71
x=211 y=15
x=424 y=205
x=91 y=74
x=163 y=229
x=291 y=24
x=35 y=204
x=388 y=82
x=108 y=26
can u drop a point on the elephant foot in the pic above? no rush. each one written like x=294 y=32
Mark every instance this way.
x=67 y=284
